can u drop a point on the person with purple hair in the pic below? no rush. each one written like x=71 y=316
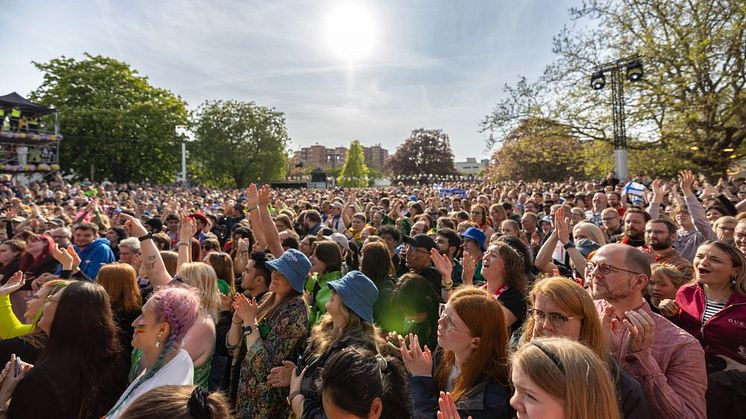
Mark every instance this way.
x=159 y=331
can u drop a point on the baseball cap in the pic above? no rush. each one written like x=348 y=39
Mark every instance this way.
x=421 y=240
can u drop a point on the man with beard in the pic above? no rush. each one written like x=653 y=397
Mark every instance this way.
x=659 y=237
x=668 y=363
x=634 y=228
x=611 y=222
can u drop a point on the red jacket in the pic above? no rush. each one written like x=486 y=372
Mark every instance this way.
x=724 y=332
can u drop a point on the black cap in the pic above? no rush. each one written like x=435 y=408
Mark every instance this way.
x=421 y=240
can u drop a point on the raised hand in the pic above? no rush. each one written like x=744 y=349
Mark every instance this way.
x=265 y=195
x=419 y=363
x=252 y=196
x=469 y=264
x=76 y=257
x=611 y=328
x=61 y=256
x=562 y=225
x=641 y=328
x=442 y=264
x=187 y=228
x=15 y=282
x=686 y=181
x=133 y=225
x=447 y=407
x=668 y=308
x=246 y=309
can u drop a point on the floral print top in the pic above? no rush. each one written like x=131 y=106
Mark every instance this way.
x=288 y=330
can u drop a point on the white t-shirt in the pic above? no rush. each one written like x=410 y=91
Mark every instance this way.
x=178 y=372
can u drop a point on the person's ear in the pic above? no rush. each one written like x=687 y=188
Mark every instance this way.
x=376 y=408
x=475 y=342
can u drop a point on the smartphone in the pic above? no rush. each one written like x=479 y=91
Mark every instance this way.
x=298 y=365
x=18 y=366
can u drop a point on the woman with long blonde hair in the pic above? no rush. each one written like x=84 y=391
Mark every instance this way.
x=561 y=379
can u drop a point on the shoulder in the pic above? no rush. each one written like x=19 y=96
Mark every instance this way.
x=670 y=335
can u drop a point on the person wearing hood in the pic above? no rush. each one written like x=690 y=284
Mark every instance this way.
x=93 y=252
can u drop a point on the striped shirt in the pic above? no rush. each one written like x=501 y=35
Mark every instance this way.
x=712 y=308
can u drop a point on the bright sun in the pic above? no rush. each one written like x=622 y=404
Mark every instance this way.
x=350 y=31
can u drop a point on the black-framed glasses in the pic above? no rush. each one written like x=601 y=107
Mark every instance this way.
x=605 y=269
x=556 y=319
x=176 y=280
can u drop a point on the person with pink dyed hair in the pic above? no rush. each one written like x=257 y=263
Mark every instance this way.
x=159 y=331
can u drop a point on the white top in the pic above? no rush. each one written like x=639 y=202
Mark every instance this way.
x=178 y=372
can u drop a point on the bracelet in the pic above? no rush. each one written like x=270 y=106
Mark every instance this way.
x=145 y=237
x=292 y=396
x=238 y=322
x=446 y=285
x=183 y=244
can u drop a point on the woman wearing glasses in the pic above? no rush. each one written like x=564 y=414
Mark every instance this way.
x=562 y=308
x=471 y=363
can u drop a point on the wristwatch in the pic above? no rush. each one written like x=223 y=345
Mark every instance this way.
x=569 y=245
x=247 y=329
x=145 y=237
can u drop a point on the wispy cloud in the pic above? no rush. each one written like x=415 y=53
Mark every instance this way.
x=437 y=64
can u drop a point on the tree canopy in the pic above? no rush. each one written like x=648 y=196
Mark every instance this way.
x=690 y=105
x=354 y=172
x=112 y=119
x=426 y=151
x=237 y=143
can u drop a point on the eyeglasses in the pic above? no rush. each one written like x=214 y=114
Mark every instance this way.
x=556 y=319
x=450 y=327
x=52 y=299
x=176 y=280
x=605 y=269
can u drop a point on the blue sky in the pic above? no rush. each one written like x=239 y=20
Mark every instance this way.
x=433 y=64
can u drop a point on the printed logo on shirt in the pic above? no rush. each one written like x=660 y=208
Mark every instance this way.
x=737 y=323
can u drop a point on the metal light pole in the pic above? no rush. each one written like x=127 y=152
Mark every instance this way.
x=631 y=69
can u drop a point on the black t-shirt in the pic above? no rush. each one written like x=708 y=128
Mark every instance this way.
x=515 y=301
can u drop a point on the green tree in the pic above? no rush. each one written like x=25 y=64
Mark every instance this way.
x=354 y=172
x=238 y=142
x=426 y=151
x=112 y=119
x=691 y=103
x=537 y=150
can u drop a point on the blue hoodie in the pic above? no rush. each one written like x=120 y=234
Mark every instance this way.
x=95 y=254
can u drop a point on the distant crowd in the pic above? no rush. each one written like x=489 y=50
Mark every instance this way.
x=573 y=299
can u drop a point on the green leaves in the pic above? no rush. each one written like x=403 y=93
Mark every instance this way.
x=237 y=143
x=354 y=172
x=112 y=120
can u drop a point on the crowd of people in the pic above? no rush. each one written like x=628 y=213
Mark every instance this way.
x=535 y=300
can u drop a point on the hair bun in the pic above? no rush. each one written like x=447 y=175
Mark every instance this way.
x=383 y=365
x=197 y=404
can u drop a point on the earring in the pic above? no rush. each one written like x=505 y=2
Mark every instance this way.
x=158 y=341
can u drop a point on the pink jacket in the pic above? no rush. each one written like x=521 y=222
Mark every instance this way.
x=724 y=332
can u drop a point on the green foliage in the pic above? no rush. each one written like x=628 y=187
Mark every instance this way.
x=691 y=104
x=537 y=150
x=598 y=160
x=112 y=119
x=426 y=151
x=354 y=172
x=237 y=143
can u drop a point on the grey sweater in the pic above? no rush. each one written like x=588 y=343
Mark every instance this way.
x=686 y=242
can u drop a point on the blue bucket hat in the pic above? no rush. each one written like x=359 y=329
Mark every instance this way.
x=294 y=266
x=476 y=235
x=358 y=293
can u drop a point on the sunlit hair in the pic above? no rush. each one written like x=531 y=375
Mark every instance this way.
x=15 y=244
x=666 y=270
x=501 y=214
x=324 y=334
x=513 y=275
x=179 y=307
x=572 y=299
x=591 y=230
x=173 y=402
x=52 y=288
x=202 y=277
x=738 y=259
x=376 y=261
x=28 y=261
x=328 y=252
x=571 y=373
x=484 y=317
x=120 y=282
x=170 y=260
x=223 y=265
